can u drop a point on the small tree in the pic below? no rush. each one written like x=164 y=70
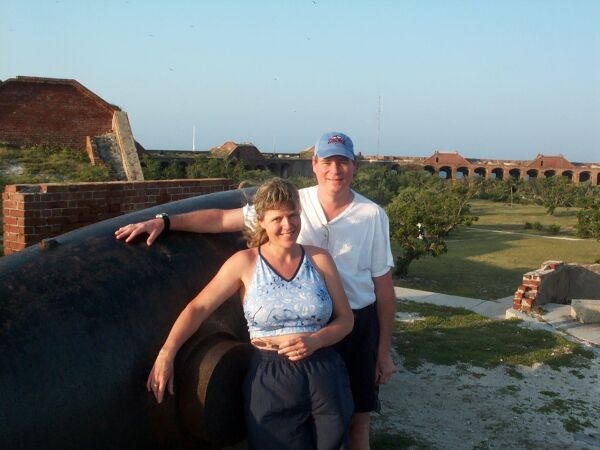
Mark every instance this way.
x=302 y=182
x=154 y=170
x=206 y=167
x=588 y=223
x=585 y=195
x=175 y=170
x=376 y=182
x=225 y=168
x=415 y=177
x=151 y=168
x=420 y=220
x=553 y=192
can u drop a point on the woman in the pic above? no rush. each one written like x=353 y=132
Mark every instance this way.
x=296 y=391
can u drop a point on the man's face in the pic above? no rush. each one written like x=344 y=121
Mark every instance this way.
x=334 y=173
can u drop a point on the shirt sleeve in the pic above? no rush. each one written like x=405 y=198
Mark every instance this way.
x=249 y=216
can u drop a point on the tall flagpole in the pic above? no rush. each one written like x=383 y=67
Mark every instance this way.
x=194 y=138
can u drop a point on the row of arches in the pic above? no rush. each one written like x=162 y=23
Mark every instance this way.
x=303 y=167
x=500 y=173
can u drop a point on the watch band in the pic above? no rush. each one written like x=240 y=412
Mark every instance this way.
x=166 y=221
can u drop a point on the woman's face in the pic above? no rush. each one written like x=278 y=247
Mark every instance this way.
x=282 y=225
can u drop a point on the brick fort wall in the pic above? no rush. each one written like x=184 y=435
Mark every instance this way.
x=52 y=112
x=32 y=212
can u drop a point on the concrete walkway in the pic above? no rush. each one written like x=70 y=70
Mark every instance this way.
x=556 y=318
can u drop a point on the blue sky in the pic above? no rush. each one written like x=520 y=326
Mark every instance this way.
x=493 y=79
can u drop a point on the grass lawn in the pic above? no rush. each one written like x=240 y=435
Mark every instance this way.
x=451 y=336
x=483 y=264
x=503 y=216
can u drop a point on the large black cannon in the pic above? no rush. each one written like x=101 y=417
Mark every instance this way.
x=82 y=317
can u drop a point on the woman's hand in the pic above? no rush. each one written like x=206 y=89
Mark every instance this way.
x=161 y=376
x=299 y=347
x=152 y=228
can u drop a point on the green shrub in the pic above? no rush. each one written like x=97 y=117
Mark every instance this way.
x=553 y=229
x=588 y=223
x=48 y=164
x=537 y=226
x=528 y=226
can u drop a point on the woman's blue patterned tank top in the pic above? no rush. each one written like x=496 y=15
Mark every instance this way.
x=274 y=306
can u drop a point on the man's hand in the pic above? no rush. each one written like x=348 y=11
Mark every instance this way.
x=385 y=367
x=152 y=227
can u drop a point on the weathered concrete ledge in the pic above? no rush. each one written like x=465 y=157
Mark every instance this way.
x=585 y=310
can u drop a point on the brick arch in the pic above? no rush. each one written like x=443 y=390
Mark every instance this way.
x=584 y=176
x=549 y=173
x=515 y=173
x=480 y=172
x=463 y=171
x=429 y=169
x=447 y=170
x=498 y=172
x=568 y=174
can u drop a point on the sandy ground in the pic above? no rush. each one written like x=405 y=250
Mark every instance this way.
x=465 y=407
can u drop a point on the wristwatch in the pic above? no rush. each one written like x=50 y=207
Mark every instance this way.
x=166 y=221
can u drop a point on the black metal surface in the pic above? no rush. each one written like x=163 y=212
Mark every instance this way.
x=81 y=321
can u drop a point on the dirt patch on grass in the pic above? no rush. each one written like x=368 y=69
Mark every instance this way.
x=466 y=407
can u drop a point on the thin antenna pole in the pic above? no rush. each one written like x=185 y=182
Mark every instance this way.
x=194 y=138
x=379 y=109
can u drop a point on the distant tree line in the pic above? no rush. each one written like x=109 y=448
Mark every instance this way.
x=204 y=167
x=551 y=193
x=423 y=209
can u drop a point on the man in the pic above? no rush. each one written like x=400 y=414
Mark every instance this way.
x=356 y=232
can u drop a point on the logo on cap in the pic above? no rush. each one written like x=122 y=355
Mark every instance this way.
x=336 y=139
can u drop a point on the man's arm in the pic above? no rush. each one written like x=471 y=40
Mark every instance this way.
x=202 y=221
x=386 y=313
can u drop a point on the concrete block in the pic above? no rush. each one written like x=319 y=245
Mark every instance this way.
x=513 y=313
x=585 y=310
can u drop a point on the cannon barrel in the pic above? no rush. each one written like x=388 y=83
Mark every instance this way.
x=82 y=317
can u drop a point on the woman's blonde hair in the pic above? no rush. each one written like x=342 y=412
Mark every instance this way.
x=275 y=193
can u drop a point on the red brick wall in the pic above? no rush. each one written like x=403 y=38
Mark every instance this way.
x=32 y=212
x=58 y=114
x=527 y=292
